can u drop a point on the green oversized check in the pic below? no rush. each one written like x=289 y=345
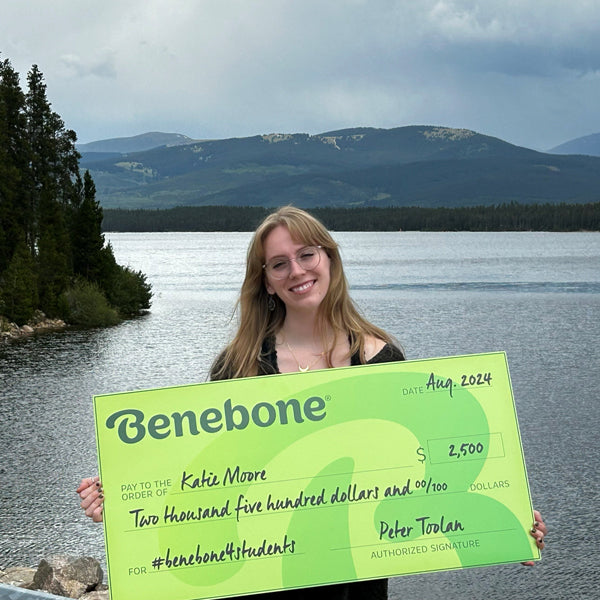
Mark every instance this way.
x=253 y=485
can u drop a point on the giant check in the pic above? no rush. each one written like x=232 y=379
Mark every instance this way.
x=253 y=485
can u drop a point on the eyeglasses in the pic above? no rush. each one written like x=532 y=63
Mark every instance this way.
x=307 y=258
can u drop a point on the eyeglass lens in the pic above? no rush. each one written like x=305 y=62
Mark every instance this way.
x=307 y=258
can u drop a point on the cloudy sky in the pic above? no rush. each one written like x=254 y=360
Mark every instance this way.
x=526 y=71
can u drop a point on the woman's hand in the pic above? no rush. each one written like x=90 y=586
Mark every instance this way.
x=92 y=497
x=538 y=531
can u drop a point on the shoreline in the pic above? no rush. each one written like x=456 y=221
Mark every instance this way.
x=40 y=323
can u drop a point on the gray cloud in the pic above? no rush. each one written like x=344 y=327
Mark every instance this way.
x=103 y=67
x=525 y=71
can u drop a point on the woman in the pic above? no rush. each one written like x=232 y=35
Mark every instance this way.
x=296 y=315
x=294 y=307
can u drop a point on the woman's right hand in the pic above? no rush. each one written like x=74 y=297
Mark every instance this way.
x=92 y=497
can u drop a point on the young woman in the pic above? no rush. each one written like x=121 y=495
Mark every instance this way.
x=294 y=308
x=295 y=314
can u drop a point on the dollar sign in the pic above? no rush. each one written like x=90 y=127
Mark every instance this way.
x=421 y=454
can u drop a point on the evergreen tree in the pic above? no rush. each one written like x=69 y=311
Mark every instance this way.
x=53 y=258
x=86 y=234
x=13 y=163
x=53 y=189
x=128 y=291
x=18 y=286
x=53 y=162
x=52 y=250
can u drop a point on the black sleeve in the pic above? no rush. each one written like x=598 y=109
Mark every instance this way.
x=389 y=353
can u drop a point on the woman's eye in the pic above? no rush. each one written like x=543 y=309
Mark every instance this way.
x=306 y=254
x=279 y=265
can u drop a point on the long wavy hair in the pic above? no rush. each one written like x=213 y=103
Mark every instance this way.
x=337 y=311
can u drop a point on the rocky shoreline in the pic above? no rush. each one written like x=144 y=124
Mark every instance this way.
x=38 y=324
x=68 y=576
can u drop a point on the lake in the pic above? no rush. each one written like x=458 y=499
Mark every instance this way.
x=534 y=295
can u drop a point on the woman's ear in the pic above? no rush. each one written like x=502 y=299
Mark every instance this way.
x=269 y=288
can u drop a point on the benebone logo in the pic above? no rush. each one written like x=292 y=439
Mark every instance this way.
x=133 y=426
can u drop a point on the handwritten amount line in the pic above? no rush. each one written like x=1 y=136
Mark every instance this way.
x=288 y=510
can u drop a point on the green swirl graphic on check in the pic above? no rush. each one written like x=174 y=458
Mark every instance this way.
x=296 y=480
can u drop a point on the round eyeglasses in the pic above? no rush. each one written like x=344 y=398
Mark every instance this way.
x=307 y=258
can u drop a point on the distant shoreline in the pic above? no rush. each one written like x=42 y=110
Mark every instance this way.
x=504 y=217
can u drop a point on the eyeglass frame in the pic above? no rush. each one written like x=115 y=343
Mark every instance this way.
x=289 y=262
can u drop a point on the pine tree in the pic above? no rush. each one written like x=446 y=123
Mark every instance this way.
x=54 y=178
x=13 y=163
x=18 y=295
x=86 y=233
x=54 y=160
x=53 y=258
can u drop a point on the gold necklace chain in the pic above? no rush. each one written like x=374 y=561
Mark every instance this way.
x=309 y=366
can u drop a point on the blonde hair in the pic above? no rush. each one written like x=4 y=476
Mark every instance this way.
x=241 y=358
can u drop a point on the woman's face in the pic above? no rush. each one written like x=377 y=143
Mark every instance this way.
x=301 y=290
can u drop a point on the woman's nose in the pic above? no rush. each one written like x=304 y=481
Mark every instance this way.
x=295 y=268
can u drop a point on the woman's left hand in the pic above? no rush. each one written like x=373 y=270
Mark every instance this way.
x=539 y=532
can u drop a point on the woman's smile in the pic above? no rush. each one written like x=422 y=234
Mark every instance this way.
x=299 y=289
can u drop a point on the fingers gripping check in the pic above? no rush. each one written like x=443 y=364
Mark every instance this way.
x=92 y=497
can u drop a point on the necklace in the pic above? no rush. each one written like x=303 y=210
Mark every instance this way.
x=307 y=367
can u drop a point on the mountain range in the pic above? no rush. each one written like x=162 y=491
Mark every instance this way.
x=588 y=144
x=406 y=166
x=136 y=143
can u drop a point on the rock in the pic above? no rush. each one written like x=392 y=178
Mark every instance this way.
x=96 y=595
x=38 y=317
x=11 y=331
x=18 y=576
x=69 y=576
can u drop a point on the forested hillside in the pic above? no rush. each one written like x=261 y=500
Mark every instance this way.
x=53 y=255
x=422 y=166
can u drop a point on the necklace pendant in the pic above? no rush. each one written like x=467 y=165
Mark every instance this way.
x=309 y=365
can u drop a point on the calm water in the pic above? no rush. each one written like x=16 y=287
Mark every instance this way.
x=534 y=295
